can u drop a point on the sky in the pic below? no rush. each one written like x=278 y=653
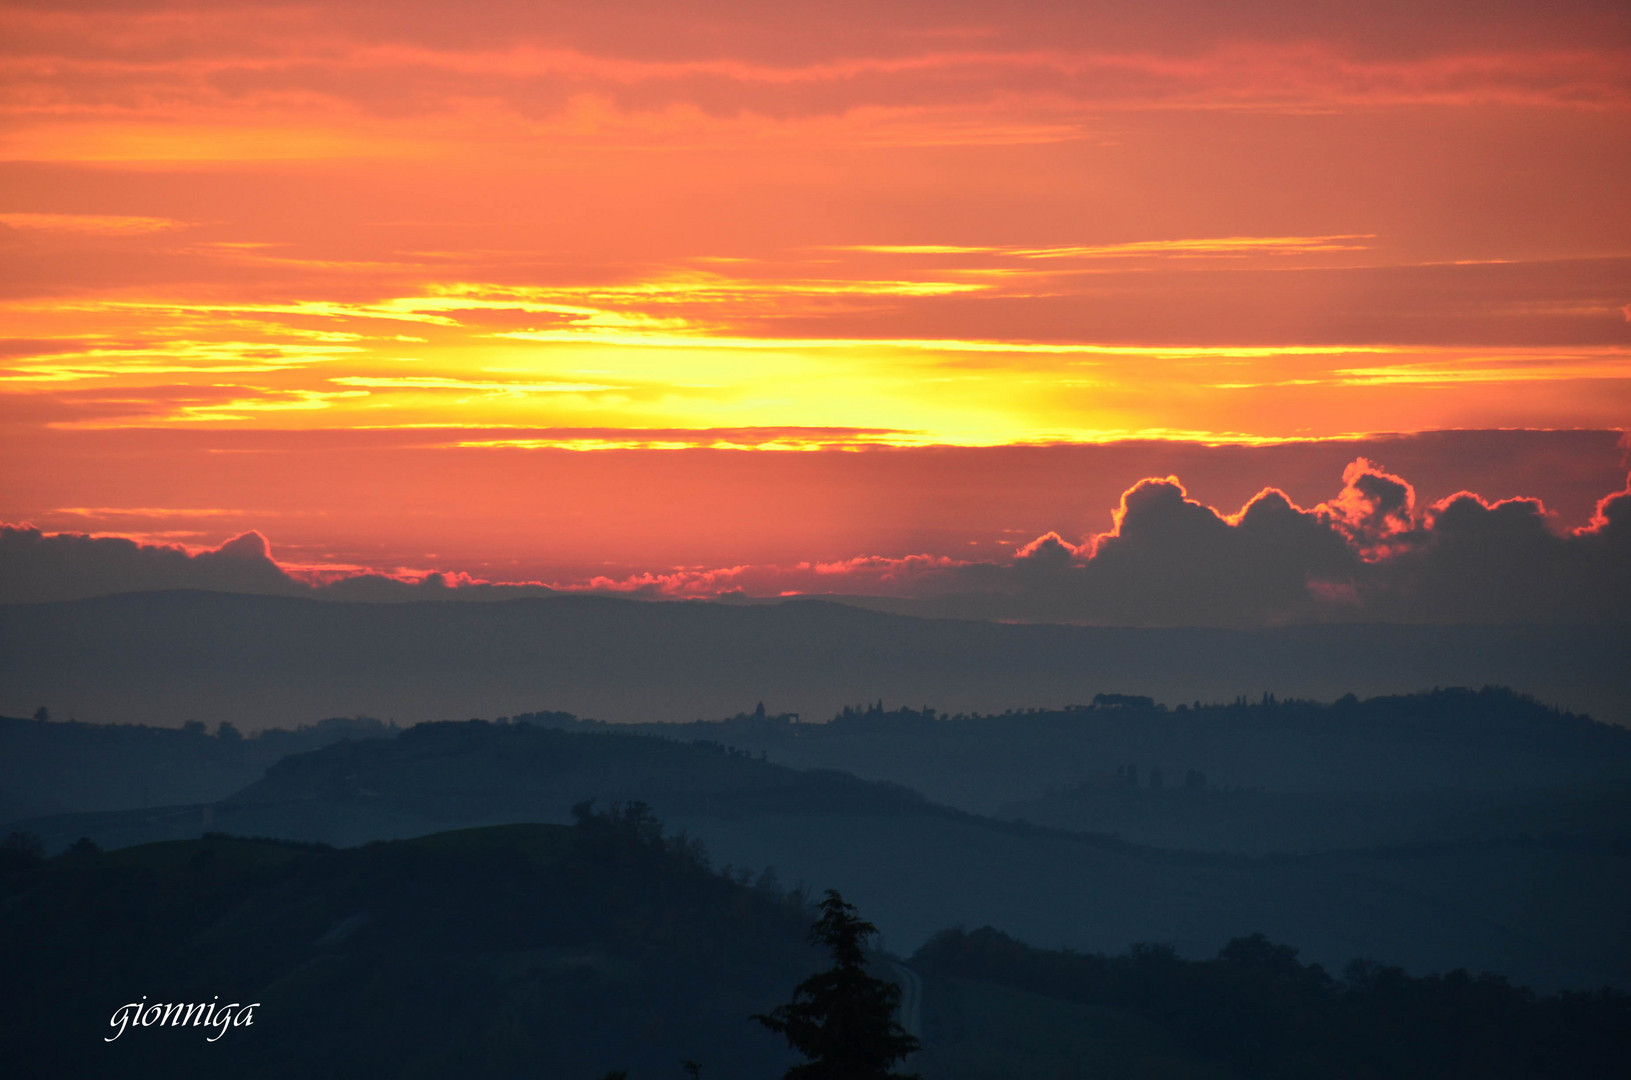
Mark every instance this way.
x=701 y=297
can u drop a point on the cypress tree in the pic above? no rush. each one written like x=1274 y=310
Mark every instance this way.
x=842 y=1019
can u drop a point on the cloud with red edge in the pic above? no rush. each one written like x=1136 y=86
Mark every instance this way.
x=1368 y=553
x=1373 y=510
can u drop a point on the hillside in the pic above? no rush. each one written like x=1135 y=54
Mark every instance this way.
x=538 y=950
x=1260 y=777
x=53 y=767
x=456 y=774
x=1257 y=1010
x=1539 y=909
x=1491 y=740
x=516 y=950
x=530 y=950
x=1250 y=777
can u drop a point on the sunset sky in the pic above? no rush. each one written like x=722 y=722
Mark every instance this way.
x=559 y=293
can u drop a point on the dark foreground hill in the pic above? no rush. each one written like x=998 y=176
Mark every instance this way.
x=1261 y=1012
x=564 y=952
x=260 y=660
x=1545 y=910
x=523 y=951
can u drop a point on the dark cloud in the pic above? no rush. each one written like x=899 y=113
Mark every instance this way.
x=380 y=589
x=36 y=566
x=1475 y=561
x=1171 y=560
x=1369 y=553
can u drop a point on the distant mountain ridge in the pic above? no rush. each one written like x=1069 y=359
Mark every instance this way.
x=275 y=661
x=1487 y=739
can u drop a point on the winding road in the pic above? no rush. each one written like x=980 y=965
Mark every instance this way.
x=911 y=999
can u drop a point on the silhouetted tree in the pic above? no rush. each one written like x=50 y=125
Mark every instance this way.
x=842 y=1019
x=25 y=843
x=21 y=850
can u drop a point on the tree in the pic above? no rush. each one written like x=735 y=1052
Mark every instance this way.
x=842 y=1019
x=21 y=851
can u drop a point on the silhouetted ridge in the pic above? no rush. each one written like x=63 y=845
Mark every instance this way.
x=1263 y=1012
x=475 y=766
x=1442 y=713
x=1488 y=740
x=522 y=950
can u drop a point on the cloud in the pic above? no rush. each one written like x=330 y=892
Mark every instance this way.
x=1374 y=509
x=1369 y=553
x=1168 y=559
x=1613 y=511
x=36 y=566
x=98 y=224
x=403 y=60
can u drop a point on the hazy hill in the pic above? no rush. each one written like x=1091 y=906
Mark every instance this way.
x=440 y=775
x=259 y=660
x=1256 y=822
x=1260 y=777
x=1253 y=777
x=47 y=767
x=1489 y=740
x=1544 y=910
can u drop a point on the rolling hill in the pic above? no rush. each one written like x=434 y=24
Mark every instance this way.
x=1540 y=909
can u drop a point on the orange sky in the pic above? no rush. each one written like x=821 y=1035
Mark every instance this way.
x=522 y=228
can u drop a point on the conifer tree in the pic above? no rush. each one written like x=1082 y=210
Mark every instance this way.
x=842 y=1019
